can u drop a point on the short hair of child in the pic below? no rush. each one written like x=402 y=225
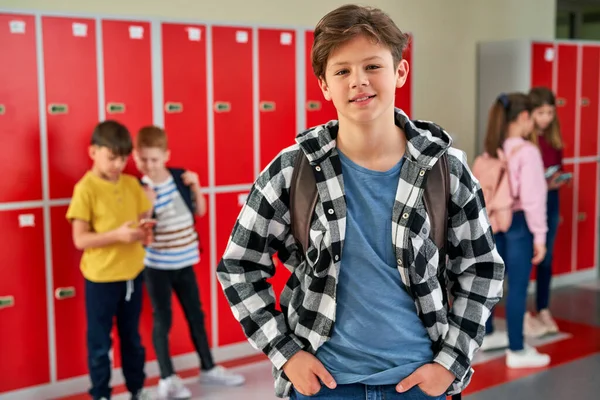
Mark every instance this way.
x=151 y=136
x=114 y=136
x=348 y=21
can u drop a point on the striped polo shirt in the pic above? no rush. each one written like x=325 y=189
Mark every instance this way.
x=175 y=243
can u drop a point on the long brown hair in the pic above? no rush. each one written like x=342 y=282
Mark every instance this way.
x=505 y=110
x=541 y=96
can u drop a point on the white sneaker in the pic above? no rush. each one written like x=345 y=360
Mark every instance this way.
x=172 y=388
x=532 y=327
x=142 y=395
x=529 y=357
x=495 y=341
x=546 y=319
x=221 y=376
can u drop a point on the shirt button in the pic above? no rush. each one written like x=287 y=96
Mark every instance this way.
x=405 y=215
x=399 y=261
x=336 y=257
x=422 y=172
x=318 y=168
x=330 y=211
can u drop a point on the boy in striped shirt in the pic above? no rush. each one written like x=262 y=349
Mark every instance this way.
x=169 y=260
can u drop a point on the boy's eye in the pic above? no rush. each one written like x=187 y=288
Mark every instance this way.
x=341 y=72
x=373 y=67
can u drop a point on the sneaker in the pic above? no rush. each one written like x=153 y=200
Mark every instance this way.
x=529 y=357
x=141 y=395
x=532 y=327
x=546 y=319
x=495 y=341
x=172 y=388
x=221 y=376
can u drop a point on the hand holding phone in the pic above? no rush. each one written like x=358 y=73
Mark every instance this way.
x=146 y=225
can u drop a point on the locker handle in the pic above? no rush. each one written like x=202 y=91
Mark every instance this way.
x=64 y=293
x=313 y=105
x=7 y=301
x=171 y=107
x=560 y=102
x=267 y=106
x=2 y=109
x=115 y=108
x=222 y=106
x=585 y=102
x=55 y=109
x=581 y=216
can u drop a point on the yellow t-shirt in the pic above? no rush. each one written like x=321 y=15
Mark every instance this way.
x=106 y=206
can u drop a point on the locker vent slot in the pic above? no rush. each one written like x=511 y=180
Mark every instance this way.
x=115 y=108
x=313 y=105
x=7 y=301
x=173 y=107
x=56 y=109
x=64 y=293
x=267 y=106
x=2 y=109
x=222 y=106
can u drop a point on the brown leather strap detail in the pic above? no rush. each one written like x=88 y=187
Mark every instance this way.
x=303 y=200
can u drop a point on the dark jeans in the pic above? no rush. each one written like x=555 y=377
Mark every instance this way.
x=516 y=249
x=104 y=302
x=160 y=284
x=359 y=391
x=544 y=270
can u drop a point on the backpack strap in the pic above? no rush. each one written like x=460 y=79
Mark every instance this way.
x=303 y=200
x=436 y=197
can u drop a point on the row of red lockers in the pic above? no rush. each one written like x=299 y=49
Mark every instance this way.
x=71 y=78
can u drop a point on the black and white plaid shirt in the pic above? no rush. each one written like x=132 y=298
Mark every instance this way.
x=474 y=272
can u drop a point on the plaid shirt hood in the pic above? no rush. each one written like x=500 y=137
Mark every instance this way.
x=473 y=274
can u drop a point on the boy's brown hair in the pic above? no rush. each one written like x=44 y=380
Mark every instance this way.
x=151 y=136
x=114 y=136
x=348 y=21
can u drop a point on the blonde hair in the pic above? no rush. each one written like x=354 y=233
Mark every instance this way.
x=151 y=136
x=541 y=96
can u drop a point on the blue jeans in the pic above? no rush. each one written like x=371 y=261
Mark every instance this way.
x=358 y=391
x=516 y=249
x=544 y=270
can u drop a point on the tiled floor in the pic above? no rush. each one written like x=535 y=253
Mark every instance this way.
x=574 y=373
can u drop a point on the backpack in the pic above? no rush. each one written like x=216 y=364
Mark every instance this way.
x=304 y=197
x=492 y=174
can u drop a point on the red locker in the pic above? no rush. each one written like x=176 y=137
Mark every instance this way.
x=184 y=84
x=564 y=238
x=71 y=97
x=69 y=299
x=24 y=326
x=232 y=108
x=229 y=206
x=127 y=74
x=282 y=275
x=543 y=56
x=19 y=115
x=404 y=94
x=586 y=215
x=566 y=95
x=277 y=77
x=588 y=104
x=318 y=110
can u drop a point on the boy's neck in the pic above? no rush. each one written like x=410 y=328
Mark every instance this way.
x=160 y=176
x=378 y=145
x=104 y=177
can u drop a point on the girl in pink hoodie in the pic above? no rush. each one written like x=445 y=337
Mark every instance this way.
x=524 y=243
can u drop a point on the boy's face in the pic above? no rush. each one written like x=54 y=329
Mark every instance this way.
x=150 y=160
x=107 y=164
x=361 y=80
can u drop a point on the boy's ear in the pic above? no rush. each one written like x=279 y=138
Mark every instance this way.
x=325 y=89
x=402 y=73
x=167 y=155
x=92 y=151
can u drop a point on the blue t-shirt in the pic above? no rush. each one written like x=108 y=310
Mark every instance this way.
x=377 y=338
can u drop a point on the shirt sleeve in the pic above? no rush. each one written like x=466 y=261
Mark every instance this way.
x=81 y=205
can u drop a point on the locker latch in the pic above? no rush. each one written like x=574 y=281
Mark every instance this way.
x=222 y=106
x=171 y=107
x=115 y=108
x=58 y=109
x=7 y=301
x=2 y=109
x=64 y=293
x=267 y=106
x=585 y=102
x=313 y=105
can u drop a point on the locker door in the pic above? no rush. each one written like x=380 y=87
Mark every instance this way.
x=566 y=95
x=404 y=94
x=229 y=206
x=69 y=299
x=277 y=77
x=232 y=108
x=318 y=110
x=127 y=75
x=564 y=237
x=586 y=215
x=282 y=275
x=588 y=104
x=71 y=97
x=24 y=326
x=543 y=56
x=184 y=84
x=19 y=115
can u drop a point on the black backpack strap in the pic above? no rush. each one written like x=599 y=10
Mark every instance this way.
x=303 y=200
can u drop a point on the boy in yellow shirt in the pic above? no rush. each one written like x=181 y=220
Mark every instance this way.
x=105 y=211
